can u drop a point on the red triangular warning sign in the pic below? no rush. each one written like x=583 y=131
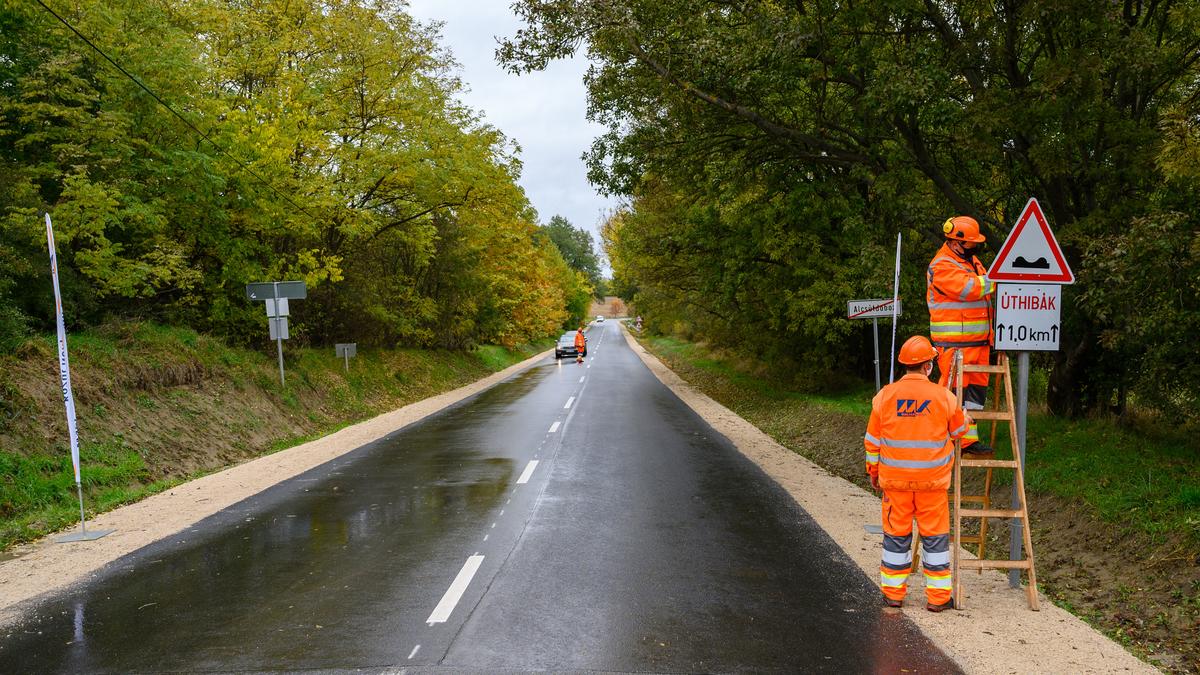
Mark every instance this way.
x=1031 y=254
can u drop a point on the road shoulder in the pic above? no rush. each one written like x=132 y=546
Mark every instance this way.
x=45 y=567
x=996 y=633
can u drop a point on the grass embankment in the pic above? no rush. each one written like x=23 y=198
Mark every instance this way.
x=157 y=406
x=1115 y=510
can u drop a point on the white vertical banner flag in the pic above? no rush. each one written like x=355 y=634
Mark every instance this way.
x=64 y=364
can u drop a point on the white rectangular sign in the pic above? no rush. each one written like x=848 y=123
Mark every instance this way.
x=277 y=309
x=872 y=309
x=1027 y=317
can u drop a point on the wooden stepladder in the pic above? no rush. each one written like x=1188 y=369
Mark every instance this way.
x=999 y=414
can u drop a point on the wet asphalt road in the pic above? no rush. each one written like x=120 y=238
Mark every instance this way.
x=575 y=517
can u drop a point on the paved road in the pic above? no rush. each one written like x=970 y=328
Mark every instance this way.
x=575 y=517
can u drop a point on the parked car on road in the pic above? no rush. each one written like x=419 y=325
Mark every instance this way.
x=566 y=345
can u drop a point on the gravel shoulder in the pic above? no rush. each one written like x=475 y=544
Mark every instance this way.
x=996 y=633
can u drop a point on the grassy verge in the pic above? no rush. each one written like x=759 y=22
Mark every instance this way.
x=1115 y=513
x=157 y=406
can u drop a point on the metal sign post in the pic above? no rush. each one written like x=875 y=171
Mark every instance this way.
x=874 y=310
x=1028 y=316
x=275 y=295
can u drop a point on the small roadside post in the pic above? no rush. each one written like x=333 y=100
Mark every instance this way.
x=1031 y=271
x=346 y=350
x=275 y=295
x=874 y=310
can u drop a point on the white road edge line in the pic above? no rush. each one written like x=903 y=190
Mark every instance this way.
x=554 y=427
x=414 y=652
x=528 y=471
x=455 y=592
x=569 y=402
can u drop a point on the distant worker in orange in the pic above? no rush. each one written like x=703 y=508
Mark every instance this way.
x=960 y=314
x=580 y=345
x=910 y=453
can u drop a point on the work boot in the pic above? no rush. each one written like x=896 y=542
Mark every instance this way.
x=894 y=603
x=949 y=604
x=978 y=448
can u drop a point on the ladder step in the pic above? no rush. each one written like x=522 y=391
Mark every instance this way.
x=970 y=539
x=990 y=463
x=1003 y=415
x=992 y=513
x=979 y=499
x=978 y=368
x=994 y=564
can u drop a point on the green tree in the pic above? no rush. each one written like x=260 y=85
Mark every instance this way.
x=577 y=249
x=806 y=135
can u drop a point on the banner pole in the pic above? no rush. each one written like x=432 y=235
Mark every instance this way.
x=895 y=313
x=64 y=370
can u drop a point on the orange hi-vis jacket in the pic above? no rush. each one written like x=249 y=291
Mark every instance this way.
x=580 y=340
x=910 y=436
x=960 y=313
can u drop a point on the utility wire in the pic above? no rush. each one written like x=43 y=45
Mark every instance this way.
x=176 y=113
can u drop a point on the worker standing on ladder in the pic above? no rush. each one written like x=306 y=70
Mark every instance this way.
x=960 y=314
x=910 y=454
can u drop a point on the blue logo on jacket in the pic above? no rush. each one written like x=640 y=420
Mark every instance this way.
x=907 y=407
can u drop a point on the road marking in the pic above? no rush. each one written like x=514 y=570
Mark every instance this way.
x=581 y=379
x=485 y=537
x=501 y=511
x=528 y=471
x=455 y=592
x=569 y=402
x=554 y=427
x=589 y=365
x=509 y=501
x=414 y=652
x=493 y=526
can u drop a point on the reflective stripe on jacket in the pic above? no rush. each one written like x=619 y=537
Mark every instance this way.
x=910 y=436
x=957 y=294
x=580 y=340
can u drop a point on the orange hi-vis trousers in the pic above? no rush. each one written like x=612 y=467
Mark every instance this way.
x=974 y=384
x=932 y=512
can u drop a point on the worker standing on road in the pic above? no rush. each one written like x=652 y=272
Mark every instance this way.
x=960 y=314
x=580 y=345
x=910 y=453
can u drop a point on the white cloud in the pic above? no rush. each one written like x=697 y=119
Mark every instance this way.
x=544 y=112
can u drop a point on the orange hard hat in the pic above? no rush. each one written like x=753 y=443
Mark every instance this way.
x=917 y=350
x=962 y=228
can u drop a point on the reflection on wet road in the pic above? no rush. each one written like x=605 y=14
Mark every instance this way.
x=573 y=517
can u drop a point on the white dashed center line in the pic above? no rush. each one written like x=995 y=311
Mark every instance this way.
x=569 y=402
x=581 y=379
x=456 y=590
x=554 y=427
x=414 y=652
x=528 y=471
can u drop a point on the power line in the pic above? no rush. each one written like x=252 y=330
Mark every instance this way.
x=176 y=113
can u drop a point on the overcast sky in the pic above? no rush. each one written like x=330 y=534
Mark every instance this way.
x=544 y=112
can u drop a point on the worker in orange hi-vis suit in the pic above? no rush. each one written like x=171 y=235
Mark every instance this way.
x=580 y=345
x=960 y=314
x=910 y=452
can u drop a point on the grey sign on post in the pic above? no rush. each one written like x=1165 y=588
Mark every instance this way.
x=277 y=307
x=279 y=328
x=346 y=350
x=873 y=310
x=275 y=294
x=277 y=289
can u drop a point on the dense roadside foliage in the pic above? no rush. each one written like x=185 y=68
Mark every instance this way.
x=333 y=151
x=773 y=151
